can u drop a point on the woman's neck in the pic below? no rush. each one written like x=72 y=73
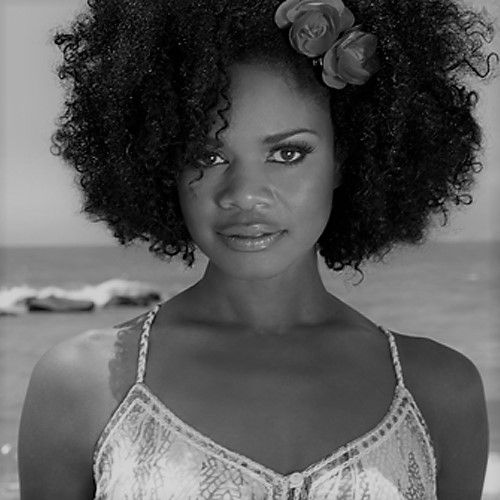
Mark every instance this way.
x=296 y=296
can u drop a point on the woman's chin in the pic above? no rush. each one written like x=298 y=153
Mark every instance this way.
x=250 y=266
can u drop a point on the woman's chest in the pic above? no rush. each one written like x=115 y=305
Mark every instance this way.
x=283 y=411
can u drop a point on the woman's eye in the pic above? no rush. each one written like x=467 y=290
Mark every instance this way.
x=292 y=153
x=207 y=160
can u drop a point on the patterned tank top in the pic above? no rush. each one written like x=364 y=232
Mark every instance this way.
x=146 y=452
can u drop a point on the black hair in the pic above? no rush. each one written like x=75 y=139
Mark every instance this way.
x=142 y=75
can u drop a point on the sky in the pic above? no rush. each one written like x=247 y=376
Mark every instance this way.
x=39 y=200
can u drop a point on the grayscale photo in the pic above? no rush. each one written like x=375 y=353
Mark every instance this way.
x=250 y=250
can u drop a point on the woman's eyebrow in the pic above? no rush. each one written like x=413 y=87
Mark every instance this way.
x=274 y=138
x=269 y=139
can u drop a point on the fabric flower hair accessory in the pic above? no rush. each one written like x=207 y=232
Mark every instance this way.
x=324 y=30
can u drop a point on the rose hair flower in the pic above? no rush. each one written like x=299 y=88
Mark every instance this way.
x=316 y=25
x=351 y=59
x=325 y=28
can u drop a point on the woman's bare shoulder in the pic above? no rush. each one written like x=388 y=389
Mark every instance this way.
x=448 y=389
x=433 y=366
x=83 y=359
x=77 y=380
x=91 y=362
x=68 y=402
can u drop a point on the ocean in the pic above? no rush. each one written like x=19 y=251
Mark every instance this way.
x=443 y=290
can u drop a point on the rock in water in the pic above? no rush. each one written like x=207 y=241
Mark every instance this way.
x=59 y=304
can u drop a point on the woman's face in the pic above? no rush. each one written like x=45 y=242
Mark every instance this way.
x=274 y=166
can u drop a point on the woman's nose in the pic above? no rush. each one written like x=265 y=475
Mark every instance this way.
x=245 y=187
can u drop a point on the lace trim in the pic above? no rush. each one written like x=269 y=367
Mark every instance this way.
x=428 y=438
x=402 y=403
x=116 y=418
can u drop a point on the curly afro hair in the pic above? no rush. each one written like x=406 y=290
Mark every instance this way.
x=142 y=76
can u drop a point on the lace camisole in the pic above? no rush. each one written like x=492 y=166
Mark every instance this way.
x=146 y=452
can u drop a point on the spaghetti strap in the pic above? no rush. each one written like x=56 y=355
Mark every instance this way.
x=143 y=344
x=394 y=356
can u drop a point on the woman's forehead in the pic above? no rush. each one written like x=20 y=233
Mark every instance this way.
x=265 y=101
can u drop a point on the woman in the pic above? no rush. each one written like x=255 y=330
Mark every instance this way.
x=263 y=132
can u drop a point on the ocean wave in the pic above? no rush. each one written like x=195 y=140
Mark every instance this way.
x=22 y=299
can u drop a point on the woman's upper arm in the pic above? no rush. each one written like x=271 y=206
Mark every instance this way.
x=449 y=391
x=463 y=432
x=56 y=434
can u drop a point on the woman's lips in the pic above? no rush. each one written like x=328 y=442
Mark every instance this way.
x=244 y=243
